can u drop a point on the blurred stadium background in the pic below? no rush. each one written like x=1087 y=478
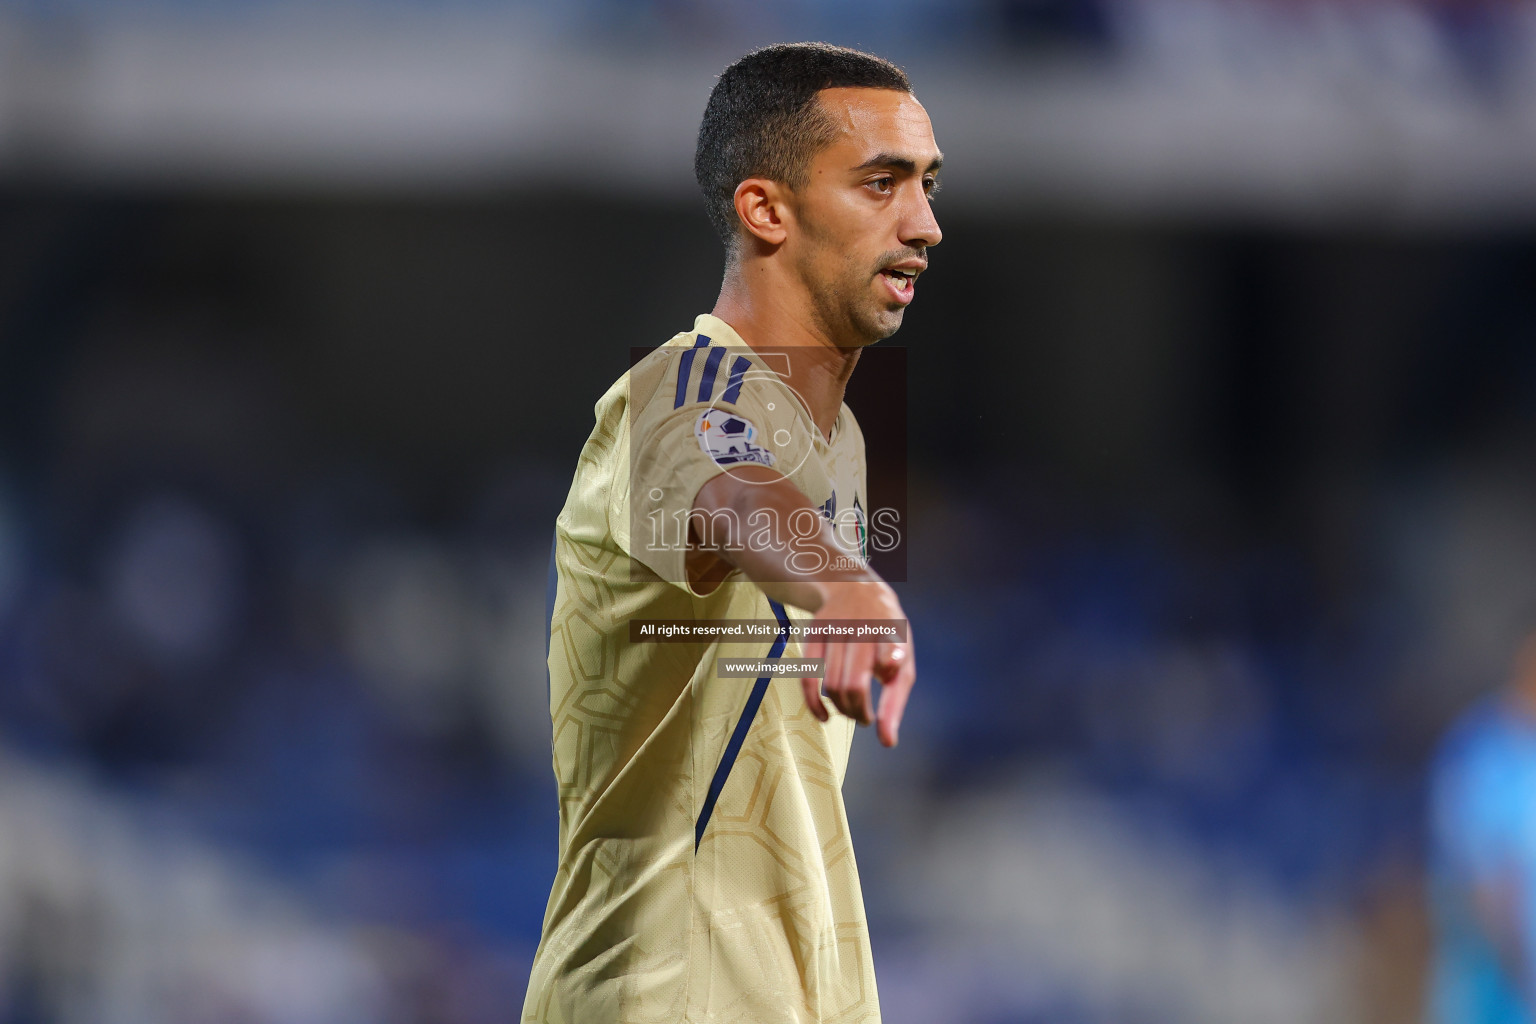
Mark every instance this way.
x=1223 y=414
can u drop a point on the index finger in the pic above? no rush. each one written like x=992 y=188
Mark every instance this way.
x=893 y=699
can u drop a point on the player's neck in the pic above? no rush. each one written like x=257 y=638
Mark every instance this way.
x=779 y=320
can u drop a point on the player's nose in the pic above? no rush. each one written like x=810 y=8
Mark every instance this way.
x=919 y=228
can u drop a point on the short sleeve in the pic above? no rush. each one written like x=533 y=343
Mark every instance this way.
x=728 y=412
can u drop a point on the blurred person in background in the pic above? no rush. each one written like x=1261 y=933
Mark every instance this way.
x=687 y=890
x=1483 y=858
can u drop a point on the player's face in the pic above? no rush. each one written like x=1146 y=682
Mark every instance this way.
x=864 y=217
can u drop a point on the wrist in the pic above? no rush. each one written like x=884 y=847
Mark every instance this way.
x=829 y=587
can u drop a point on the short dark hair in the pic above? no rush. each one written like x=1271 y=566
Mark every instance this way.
x=762 y=119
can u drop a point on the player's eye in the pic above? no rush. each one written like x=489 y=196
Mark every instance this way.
x=931 y=187
x=884 y=185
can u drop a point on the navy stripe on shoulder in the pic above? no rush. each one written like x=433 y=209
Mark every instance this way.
x=739 y=370
x=711 y=371
x=685 y=370
x=743 y=724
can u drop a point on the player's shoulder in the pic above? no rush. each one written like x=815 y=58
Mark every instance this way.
x=707 y=367
x=643 y=383
x=651 y=380
x=734 y=399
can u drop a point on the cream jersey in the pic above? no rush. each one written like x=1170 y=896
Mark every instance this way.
x=705 y=873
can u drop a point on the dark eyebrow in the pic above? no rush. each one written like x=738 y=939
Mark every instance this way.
x=899 y=163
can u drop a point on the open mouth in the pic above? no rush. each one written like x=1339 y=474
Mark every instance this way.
x=900 y=281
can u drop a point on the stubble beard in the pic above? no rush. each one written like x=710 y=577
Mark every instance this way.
x=845 y=311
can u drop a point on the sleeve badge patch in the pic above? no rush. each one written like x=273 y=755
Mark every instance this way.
x=728 y=438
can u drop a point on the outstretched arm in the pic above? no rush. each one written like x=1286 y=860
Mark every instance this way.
x=812 y=573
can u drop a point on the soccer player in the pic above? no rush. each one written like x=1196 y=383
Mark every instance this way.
x=1483 y=859
x=706 y=872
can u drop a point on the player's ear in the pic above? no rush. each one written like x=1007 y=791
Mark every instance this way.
x=761 y=207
